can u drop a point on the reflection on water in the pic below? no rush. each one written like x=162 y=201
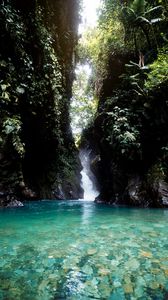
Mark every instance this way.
x=82 y=250
x=87 y=213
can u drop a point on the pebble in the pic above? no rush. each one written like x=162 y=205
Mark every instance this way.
x=116 y=284
x=146 y=254
x=87 y=270
x=132 y=264
x=114 y=262
x=91 y=251
x=166 y=272
x=139 y=292
x=128 y=288
x=155 y=271
x=104 y=271
x=141 y=281
x=154 y=285
x=117 y=295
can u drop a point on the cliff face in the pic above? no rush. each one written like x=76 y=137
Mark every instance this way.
x=129 y=139
x=38 y=157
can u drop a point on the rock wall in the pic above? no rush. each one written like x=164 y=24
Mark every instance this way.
x=38 y=158
x=129 y=140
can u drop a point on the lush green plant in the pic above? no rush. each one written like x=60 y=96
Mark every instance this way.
x=12 y=128
x=158 y=70
x=138 y=16
x=35 y=88
x=156 y=172
x=83 y=103
x=121 y=133
x=108 y=37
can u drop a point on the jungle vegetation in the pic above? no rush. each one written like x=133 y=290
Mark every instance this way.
x=128 y=113
x=128 y=52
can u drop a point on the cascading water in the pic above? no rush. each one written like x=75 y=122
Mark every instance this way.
x=83 y=103
x=88 y=181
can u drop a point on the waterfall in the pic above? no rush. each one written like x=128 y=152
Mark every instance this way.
x=88 y=181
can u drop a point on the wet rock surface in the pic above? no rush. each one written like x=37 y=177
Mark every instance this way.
x=141 y=193
x=14 y=203
x=162 y=189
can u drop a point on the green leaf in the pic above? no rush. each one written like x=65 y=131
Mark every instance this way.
x=5 y=95
x=3 y=87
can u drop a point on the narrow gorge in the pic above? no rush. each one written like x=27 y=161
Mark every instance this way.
x=84 y=150
x=61 y=69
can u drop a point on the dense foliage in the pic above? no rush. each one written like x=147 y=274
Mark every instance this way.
x=36 y=65
x=130 y=71
x=83 y=102
x=128 y=55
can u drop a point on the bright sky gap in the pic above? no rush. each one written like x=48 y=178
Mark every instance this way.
x=89 y=17
x=89 y=14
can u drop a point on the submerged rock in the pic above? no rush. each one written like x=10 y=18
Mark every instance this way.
x=128 y=288
x=87 y=270
x=132 y=264
x=91 y=251
x=146 y=254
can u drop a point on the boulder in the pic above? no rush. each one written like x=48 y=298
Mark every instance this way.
x=15 y=203
x=161 y=189
x=140 y=192
x=135 y=192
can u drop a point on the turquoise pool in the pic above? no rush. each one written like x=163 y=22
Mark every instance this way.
x=80 y=250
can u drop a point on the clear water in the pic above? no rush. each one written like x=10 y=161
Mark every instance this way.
x=82 y=250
